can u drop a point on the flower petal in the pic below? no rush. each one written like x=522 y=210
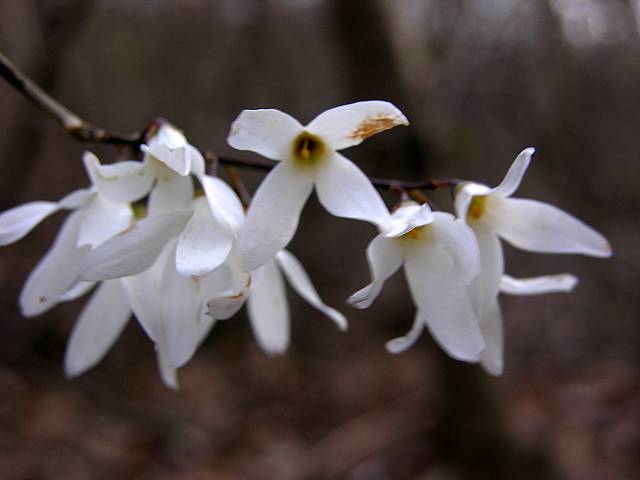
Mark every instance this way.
x=492 y=358
x=301 y=283
x=203 y=244
x=120 y=182
x=512 y=179
x=384 y=257
x=17 y=222
x=98 y=327
x=225 y=204
x=135 y=249
x=171 y=192
x=182 y=159
x=268 y=132
x=464 y=194
x=76 y=291
x=440 y=293
x=345 y=191
x=402 y=344
x=459 y=240
x=563 y=282
x=406 y=218
x=102 y=219
x=273 y=216
x=77 y=199
x=268 y=309
x=349 y=125
x=484 y=290
x=57 y=272
x=540 y=227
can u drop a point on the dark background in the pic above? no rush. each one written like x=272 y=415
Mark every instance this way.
x=479 y=80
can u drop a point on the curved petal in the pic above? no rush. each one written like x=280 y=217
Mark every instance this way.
x=402 y=344
x=76 y=291
x=168 y=371
x=168 y=134
x=349 y=125
x=540 y=227
x=492 y=358
x=98 y=327
x=458 y=239
x=120 y=182
x=301 y=283
x=57 y=272
x=268 y=309
x=203 y=244
x=171 y=192
x=268 y=132
x=563 y=282
x=384 y=257
x=226 y=306
x=17 y=222
x=225 y=204
x=135 y=249
x=273 y=216
x=464 y=194
x=183 y=159
x=102 y=219
x=484 y=290
x=345 y=191
x=227 y=287
x=512 y=179
x=408 y=217
x=440 y=293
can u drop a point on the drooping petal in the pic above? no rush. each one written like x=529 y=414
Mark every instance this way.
x=77 y=198
x=168 y=134
x=203 y=244
x=171 y=192
x=76 y=291
x=168 y=371
x=17 y=222
x=440 y=293
x=512 y=179
x=57 y=272
x=224 y=307
x=98 y=327
x=349 y=125
x=268 y=132
x=345 y=191
x=120 y=182
x=563 y=282
x=102 y=219
x=407 y=218
x=485 y=288
x=540 y=227
x=268 y=309
x=225 y=204
x=492 y=357
x=227 y=288
x=301 y=283
x=464 y=195
x=135 y=249
x=459 y=240
x=401 y=344
x=273 y=216
x=384 y=257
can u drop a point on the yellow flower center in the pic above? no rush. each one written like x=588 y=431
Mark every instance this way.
x=308 y=149
x=476 y=207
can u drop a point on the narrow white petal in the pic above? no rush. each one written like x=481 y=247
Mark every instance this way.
x=440 y=293
x=76 y=291
x=563 y=282
x=77 y=198
x=225 y=204
x=385 y=257
x=267 y=132
x=345 y=191
x=168 y=134
x=98 y=327
x=17 y=222
x=540 y=227
x=491 y=325
x=171 y=192
x=135 y=249
x=349 y=125
x=512 y=179
x=57 y=272
x=301 y=283
x=203 y=244
x=485 y=288
x=407 y=218
x=168 y=371
x=268 y=309
x=273 y=216
x=102 y=219
x=402 y=344
x=177 y=159
x=121 y=182
x=464 y=194
x=197 y=161
x=459 y=240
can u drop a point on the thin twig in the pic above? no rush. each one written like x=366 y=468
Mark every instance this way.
x=238 y=185
x=84 y=131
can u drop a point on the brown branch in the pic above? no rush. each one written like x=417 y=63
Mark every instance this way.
x=84 y=131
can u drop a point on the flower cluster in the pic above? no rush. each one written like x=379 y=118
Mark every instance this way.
x=164 y=240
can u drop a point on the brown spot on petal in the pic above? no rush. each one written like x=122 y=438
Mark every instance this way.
x=373 y=125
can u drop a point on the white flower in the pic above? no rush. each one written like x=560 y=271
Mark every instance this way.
x=440 y=261
x=526 y=224
x=266 y=299
x=309 y=156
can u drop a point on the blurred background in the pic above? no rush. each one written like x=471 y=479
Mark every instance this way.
x=479 y=80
